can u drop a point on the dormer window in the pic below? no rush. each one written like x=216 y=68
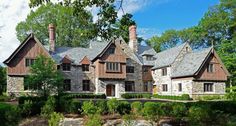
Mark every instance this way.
x=29 y=62
x=66 y=66
x=85 y=67
x=149 y=57
x=111 y=50
x=164 y=71
x=210 y=68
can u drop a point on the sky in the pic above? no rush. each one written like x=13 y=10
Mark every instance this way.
x=152 y=17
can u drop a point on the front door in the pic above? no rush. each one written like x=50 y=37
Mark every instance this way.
x=110 y=90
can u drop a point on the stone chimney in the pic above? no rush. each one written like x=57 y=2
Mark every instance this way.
x=52 y=37
x=133 y=42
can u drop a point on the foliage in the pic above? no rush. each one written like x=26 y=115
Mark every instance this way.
x=166 y=108
x=231 y=93
x=182 y=97
x=85 y=95
x=55 y=119
x=136 y=95
x=102 y=106
x=4 y=98
x=210 y=97
x=94 y=120
x=22 y=99
x=48 y=108
x=44 y=77
x=26 y=108
x=10 y=115
x=3 y=80
x=151 y=111
x=198 y=115
x=179 y=110
x=69 y=105
x=124 y=107
x=112 y=105
x=128 y=120
x=137 y=107
x=89 y=108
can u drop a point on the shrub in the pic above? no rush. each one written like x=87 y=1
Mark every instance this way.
x=4 y=98
x=48 y=108
x=26 y=108
x=94 y=120
x=22 y=99
x=231 y=96
x=210 y=97
x=102 y=106
x=166 y=109
x=128 y=120
x=89 y=108
x=112 y=105
x=182 y=97
x=137 y=108
x=84 y=96
x=151 y=111
x=198 y=115
x=179 y=110
x=9 y=115
x=55 y=119
x=124 y=108
x=136 y=95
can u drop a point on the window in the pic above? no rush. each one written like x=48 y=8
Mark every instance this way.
x=164 y=71
x=86 y=85
x=145 y=86
x=149 y=57
x=58 y=67
x=29 y=62
x=129 y=86
x=111 y=51
x=145 y=69
x=187 y=49
x=210 y=68
x=112 y=67
x=66 y=66
x=67 y=85
x=129 y=69
x=208 y=87
x=85 y=67
x=164 y=87
x=180 y=87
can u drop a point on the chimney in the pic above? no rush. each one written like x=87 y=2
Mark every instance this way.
x=133 y=43
x=51 y=29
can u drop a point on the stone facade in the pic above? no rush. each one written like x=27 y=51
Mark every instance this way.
x=15 y=85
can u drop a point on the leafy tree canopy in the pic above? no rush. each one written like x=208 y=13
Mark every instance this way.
x=3 y=79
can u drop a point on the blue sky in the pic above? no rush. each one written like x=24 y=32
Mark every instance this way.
x=171 y=14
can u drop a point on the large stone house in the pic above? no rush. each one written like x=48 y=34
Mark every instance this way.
x=180 y=70
x=111 y=68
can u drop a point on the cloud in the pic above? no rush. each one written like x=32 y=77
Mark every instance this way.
x=11 y=13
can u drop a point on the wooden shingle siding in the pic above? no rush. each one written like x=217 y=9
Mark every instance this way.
x=147 y=76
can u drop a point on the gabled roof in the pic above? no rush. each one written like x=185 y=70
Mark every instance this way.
x=167 y=57
x=146 y=50
x=30 y=36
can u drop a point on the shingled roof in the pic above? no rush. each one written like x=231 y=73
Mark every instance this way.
x=146 y=50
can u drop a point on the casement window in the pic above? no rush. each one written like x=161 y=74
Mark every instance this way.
x=86 y=85
x=29 y=62
x=129 y=86
x=129 y=69
x=145 y=86
x=210 y=68
x=85 y=67
x=164 y=71
x=111 y=50
x=67 y=85
x=149 y=57
x=66 y=66
x=164 y=87
x=208 y=87
x=180 y=87
x=113 y=67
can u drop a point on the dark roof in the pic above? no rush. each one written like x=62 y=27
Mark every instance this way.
x=146 y=50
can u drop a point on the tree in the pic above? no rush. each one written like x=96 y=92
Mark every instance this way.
x=3 y=80
x=44 y=77
x=71 y=30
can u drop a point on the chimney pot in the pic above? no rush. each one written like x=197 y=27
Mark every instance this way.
x=51 y=29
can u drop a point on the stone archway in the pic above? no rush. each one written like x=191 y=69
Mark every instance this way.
x=110 y=90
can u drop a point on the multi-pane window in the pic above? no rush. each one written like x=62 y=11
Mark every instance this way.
x=164 y=87
x=208 y=87
x=129 y=86
x=164 y=71
x=86 y=85
x=210 y=68
x=112 y=67
x=180 y=87
x=149 y=57
x=111 y=51
x=66 y=66
x=29 y=62
x=145 y=86
x=129 y=69
x=85 y=67
x=67 y=85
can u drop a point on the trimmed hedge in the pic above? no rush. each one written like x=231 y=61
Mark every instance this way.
x=22 y=99
x=136 y=95
x=182 y=97
x=9 y=115
x=84 y=96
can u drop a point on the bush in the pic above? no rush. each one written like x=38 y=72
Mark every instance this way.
x=124 y=108
x=55 y=119
x=136 y=95
x=94 y=120
x=182 y=97
x=9 y=115
x=112 y=105
x=4 y=98
x=26 y=108
x=151 y=111
x=179 y=110
x=129 y=120
x=210 y=97
x=137 y=107
x=89 y=108
x=34 y=99
x=102 y=106
x=83 y=96
x=69 y=106
x=198 y=115
x=166 y=109
x=49 y=107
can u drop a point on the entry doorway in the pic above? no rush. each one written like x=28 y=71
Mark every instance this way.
x=110 y=90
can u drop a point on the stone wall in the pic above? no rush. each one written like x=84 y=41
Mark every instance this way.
x=186 y=86
x=15 y=85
